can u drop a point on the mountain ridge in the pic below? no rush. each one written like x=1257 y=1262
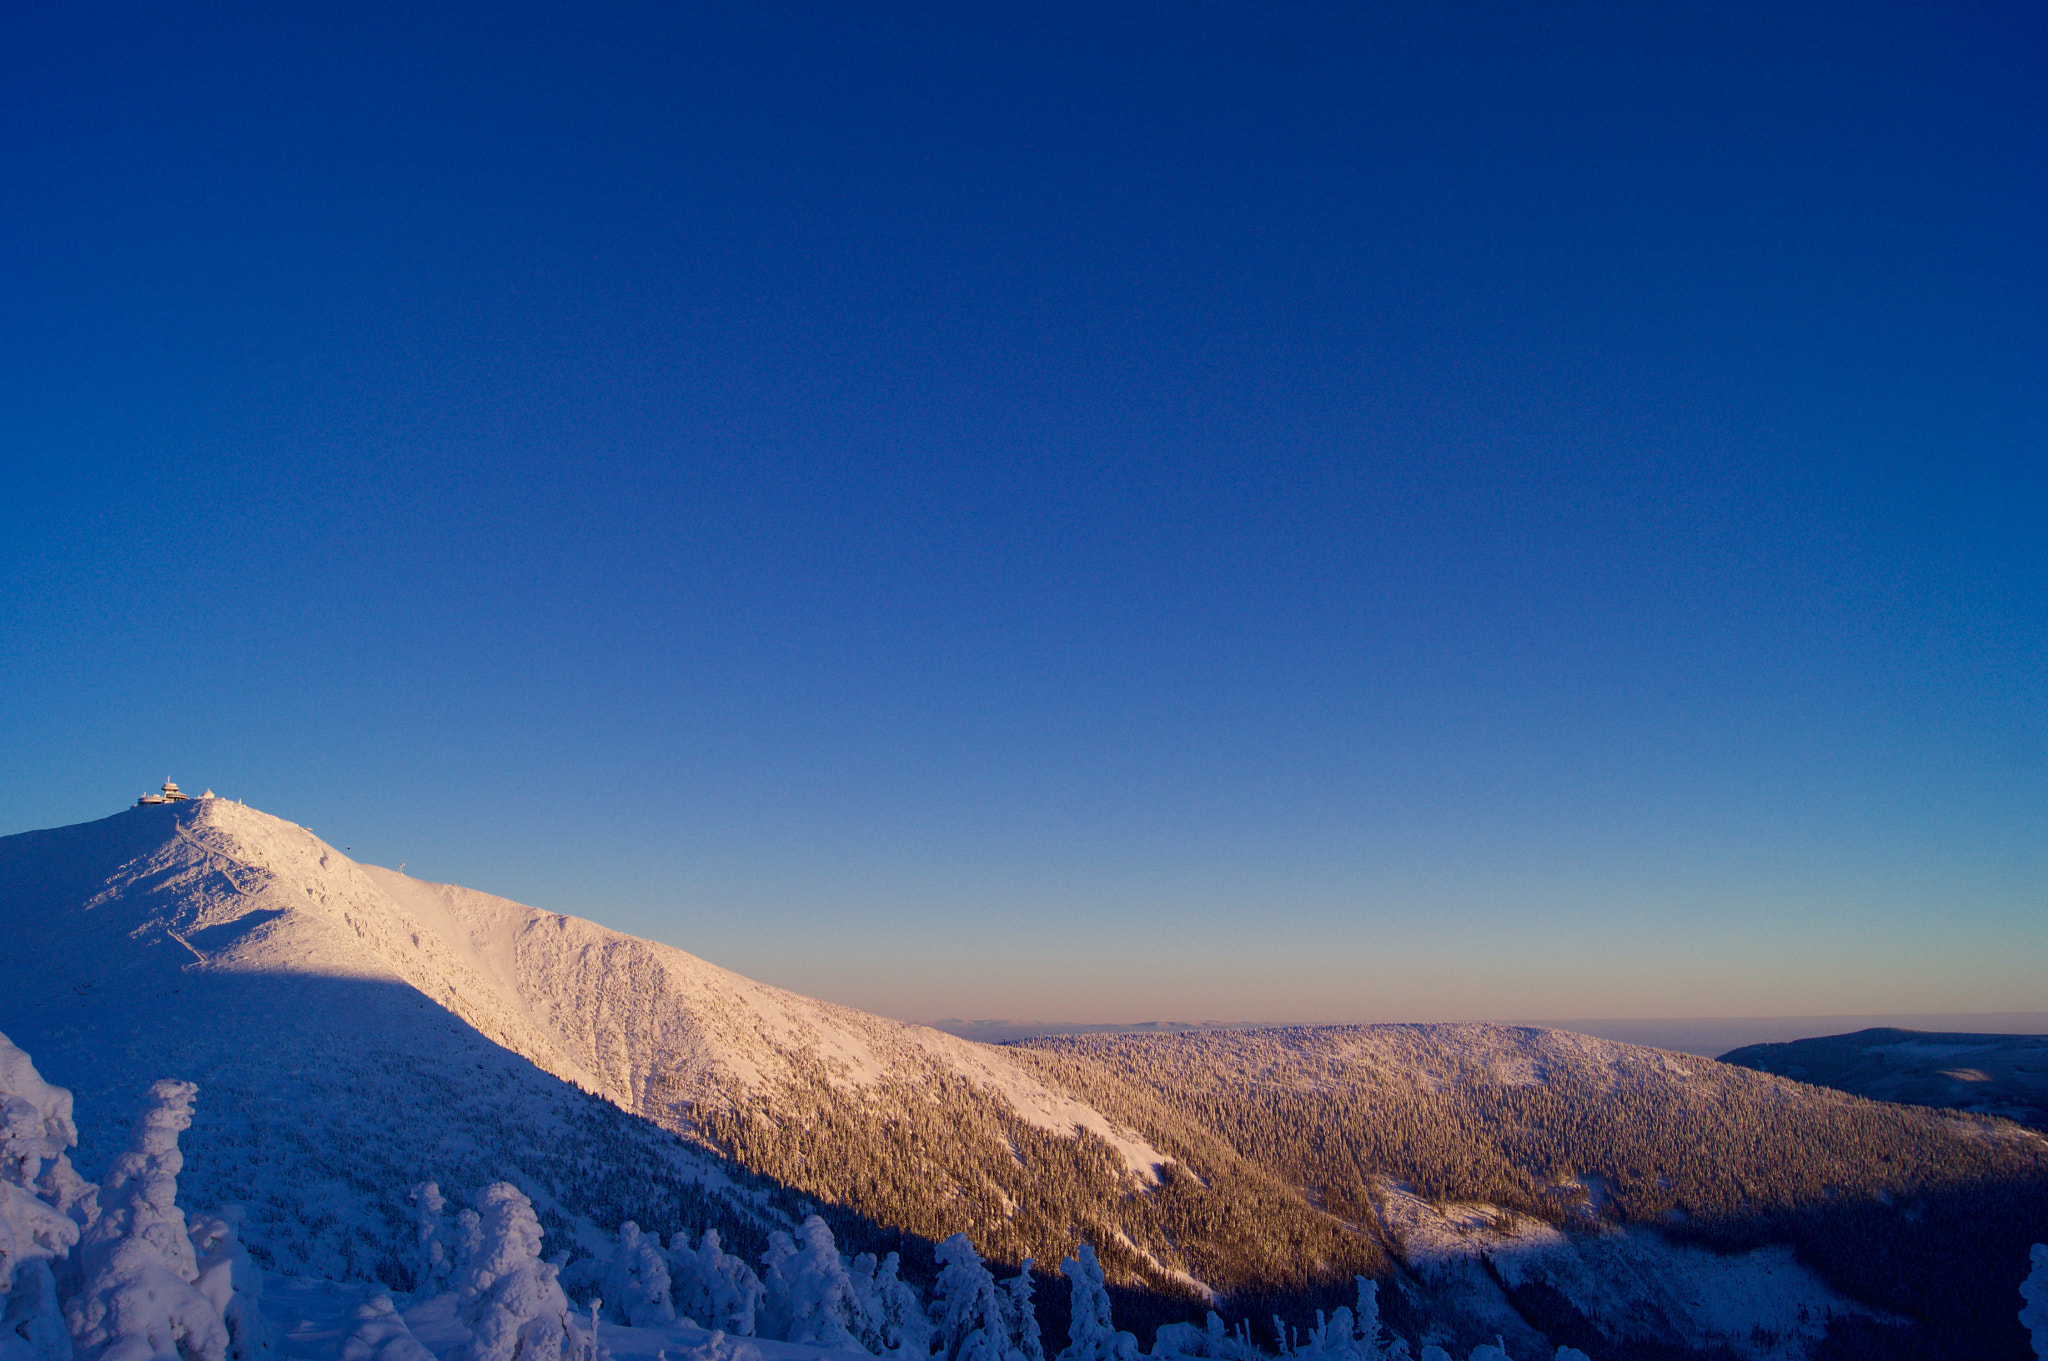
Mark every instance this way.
x=142 y=912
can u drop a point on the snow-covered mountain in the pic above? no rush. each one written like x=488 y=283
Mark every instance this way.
x=353 y=1029
x=354 y=1032
x=213 y=887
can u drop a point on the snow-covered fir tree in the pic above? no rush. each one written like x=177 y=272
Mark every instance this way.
x=39 y=1194
x=140 y=1298
x=892 y=1319
x=433 y=1260
x=509 y=1298
x=1091 y=1336
x=1026 y=1343
x=1332 y=1339
x=810 y=1295
x=969 y=1313
x=636 y=1281
x=713 y=1287
x=234 y=1283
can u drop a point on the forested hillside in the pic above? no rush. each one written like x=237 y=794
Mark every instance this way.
x=1208 y=1222
x=1885 y=1201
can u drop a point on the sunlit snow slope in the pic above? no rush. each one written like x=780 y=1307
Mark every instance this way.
x=661 y=1032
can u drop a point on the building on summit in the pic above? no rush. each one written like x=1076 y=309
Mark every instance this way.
x=171 y=794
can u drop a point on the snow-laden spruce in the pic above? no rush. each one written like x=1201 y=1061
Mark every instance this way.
x=895 y=1322
x=43 y=1204
x=433 y=1257
x=141 y=1297
x=636 y=1281
x=973 y=1317
x=510 y=1298
x=112 y=1271
x=810 y=1293
x=713 y=1287
x=1091 y=1334
x=1185 y=1342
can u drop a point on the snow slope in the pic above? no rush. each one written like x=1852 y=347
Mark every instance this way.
x=1636 y=1286
x=658 y=1031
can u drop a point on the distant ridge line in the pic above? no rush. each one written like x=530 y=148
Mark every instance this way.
x=998 y=1031
x=1706 y=1036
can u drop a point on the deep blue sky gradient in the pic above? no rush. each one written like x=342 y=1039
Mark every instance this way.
x=1284 y=512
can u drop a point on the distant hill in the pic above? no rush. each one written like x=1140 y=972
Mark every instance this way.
x=1991 y=1074
x=1002 y=1032
x=1551 y=1178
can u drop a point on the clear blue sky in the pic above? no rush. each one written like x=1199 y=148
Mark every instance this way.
x=1284 y=511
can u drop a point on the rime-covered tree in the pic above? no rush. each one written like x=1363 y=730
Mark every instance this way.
x=772 y=1319
x=892 y=1319
x=1213 y=1340
x=234 y=1283
x=433 y=1248
x=810 y=1294
x=141 y=1298
x=35 y=1230
x=1091 y=1335
x=1333 y=1339
x=1026 y=1343
x=469 y=1241
x=718 y=1290
x=380 y=1334
x=510 y=1298
x=636 y=1280
x=1369 y=1318
x=970 y=1313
